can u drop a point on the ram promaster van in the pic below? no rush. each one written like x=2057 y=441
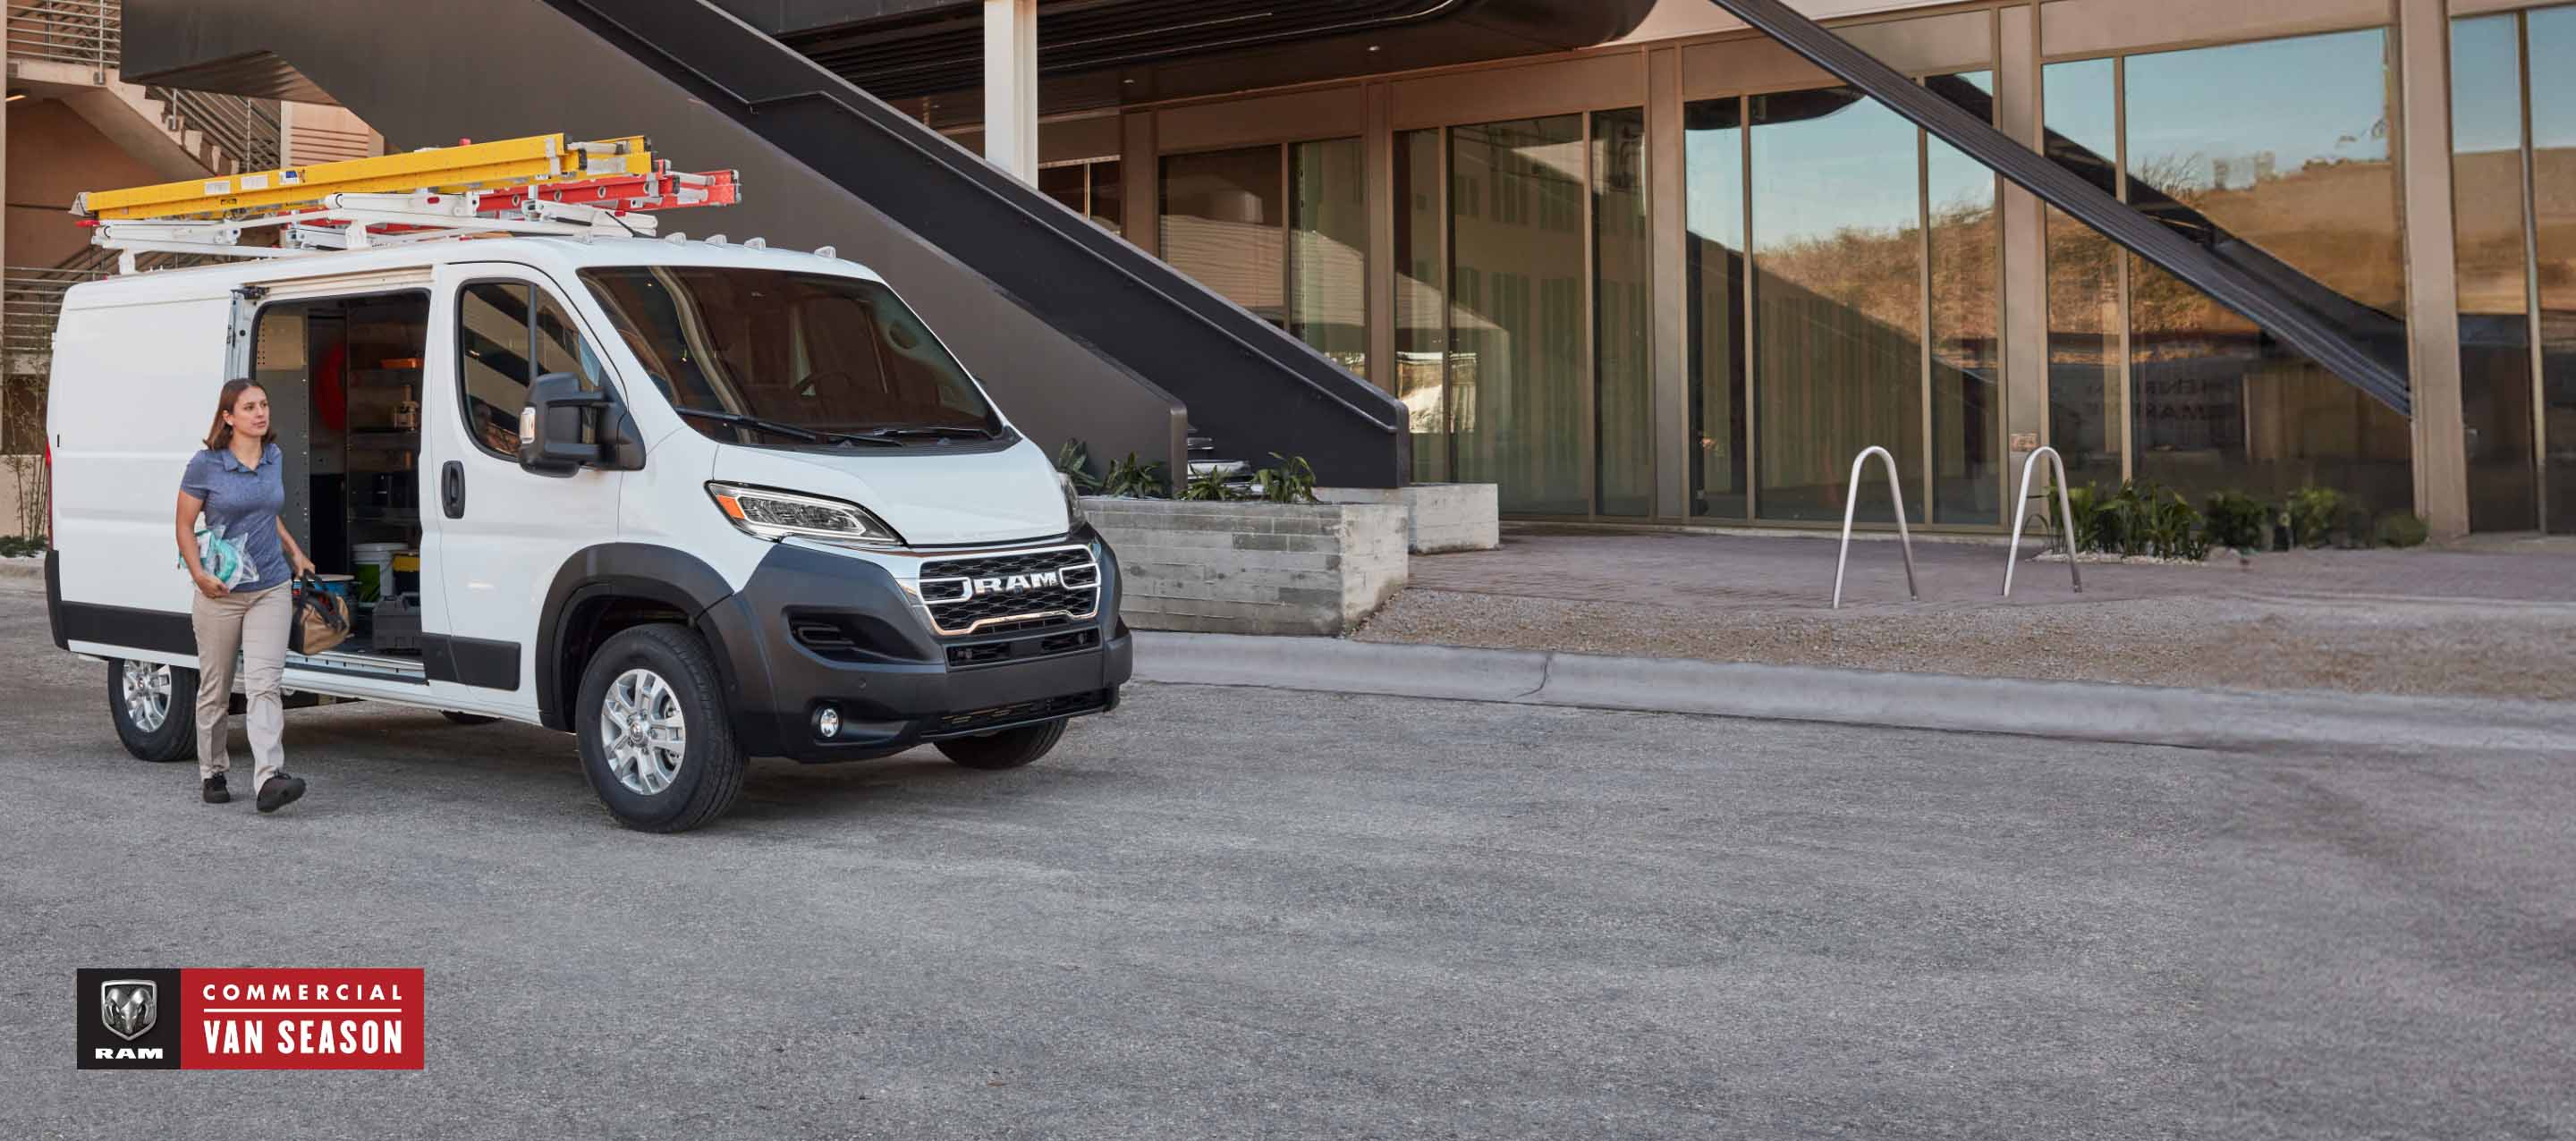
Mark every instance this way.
x=691 y=502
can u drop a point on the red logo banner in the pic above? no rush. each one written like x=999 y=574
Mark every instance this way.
x=300 y=1018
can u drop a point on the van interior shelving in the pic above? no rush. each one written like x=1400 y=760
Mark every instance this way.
x=344 y=375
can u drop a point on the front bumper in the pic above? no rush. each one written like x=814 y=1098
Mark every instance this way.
x=816 y=628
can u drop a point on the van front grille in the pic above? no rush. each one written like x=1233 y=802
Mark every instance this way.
x=968 y=595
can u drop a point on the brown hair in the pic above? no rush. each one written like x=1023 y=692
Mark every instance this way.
x=220 y=436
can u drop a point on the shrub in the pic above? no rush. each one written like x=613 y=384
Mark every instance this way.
x=2314 y=514
x=21 y=546
x=1130 y=479
x=1207 y=486
x=1075 y=462
x=2086 y=503
x=2401 y=529
x=2238 y=520
x=1293 y=481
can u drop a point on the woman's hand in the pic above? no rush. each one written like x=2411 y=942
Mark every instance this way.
x=210 y=586
x=302 y=566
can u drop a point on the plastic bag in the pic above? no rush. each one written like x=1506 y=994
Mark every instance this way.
x=223 y=558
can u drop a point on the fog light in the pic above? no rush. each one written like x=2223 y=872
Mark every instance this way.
x=827 y=724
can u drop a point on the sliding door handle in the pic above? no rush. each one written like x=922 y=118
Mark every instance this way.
x=451 y=489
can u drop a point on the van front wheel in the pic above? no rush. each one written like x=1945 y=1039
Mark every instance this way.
x=155 y=709
x=1008 y=749
x=656 y=739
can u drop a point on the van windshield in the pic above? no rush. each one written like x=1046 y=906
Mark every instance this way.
x=770 y=356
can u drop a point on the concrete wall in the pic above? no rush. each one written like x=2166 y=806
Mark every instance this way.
x=1252 y=568
x=55 y=154
x=1439 y=517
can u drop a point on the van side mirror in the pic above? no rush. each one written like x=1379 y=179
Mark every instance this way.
x=559 y=426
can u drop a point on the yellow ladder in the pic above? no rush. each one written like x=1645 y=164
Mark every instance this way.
x=446 y=170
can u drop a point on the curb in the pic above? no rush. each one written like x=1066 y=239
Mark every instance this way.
x=2069 y=710
x=22 y=568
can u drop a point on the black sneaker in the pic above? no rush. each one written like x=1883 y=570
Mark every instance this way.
x=279 y=791
x=215 y=791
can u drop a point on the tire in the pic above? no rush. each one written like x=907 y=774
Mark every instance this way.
x=174 y=737
x=457 y=718
x=1008 y=749
x=645 y=785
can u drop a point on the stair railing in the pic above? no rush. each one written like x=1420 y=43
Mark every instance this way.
x=90 y=33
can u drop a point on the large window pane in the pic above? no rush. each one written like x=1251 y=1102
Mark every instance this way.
x=1421 y=304
x=1838 y=295
x=2495 y=333
x=1108 y=196
x=1623 y=349
x=1516 y=311
x=2083 y=279
x=1222 y=225
x=1967 y=355
x=1328 y=250
x=2284 y=144
x=2553 y=159
x=1713 y=283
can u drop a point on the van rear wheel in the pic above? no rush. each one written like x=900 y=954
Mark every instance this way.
x=155 y=709
x=656 y=739
x=1008 y=749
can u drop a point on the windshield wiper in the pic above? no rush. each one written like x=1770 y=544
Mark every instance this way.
x=771 y=426
x=921 y=431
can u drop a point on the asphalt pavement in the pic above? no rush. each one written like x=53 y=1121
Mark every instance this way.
x=1251 y=912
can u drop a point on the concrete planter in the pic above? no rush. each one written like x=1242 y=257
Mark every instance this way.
x=1440 y=516
x=1252 y=568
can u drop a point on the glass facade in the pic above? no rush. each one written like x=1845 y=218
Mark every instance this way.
x=2552 y=33
x=1841 y=282
x=1622 y=316
x=1516 y=400
x=2283 y=145
x=1713 y=284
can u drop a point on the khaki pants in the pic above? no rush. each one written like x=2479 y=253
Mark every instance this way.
x=255 y=625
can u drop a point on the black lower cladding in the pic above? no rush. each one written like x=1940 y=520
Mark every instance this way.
x=813 y=629
x=54 y=598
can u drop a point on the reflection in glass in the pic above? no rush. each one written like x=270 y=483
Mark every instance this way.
x=1623 y=349
x=1516 y=311
x=2083 y=280
x=1067 y=183
x=1222 y=225
x=2285 y=144
x=1967 y=354
x=2553 y=168
x=1713 y=268
x=1837 y=295
x=1421 y=318
x=1108 y=196
x=1328 y=250
x=2495 y=333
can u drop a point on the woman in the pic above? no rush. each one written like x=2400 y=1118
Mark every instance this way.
x=236 y=485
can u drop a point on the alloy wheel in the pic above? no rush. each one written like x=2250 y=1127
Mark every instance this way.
x=642 y=732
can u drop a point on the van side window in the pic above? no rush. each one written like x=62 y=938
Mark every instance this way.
x=502 y=345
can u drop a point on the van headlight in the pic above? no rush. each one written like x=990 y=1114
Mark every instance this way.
x=775 y=515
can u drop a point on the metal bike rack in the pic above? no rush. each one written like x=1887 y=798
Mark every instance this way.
x=1851 y=503
x=2065 y=518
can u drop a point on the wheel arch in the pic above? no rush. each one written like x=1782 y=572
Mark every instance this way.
x=613 y=586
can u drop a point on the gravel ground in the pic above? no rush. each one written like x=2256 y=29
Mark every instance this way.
x=2378 y=645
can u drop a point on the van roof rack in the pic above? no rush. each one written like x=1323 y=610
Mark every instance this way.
x=541 y=184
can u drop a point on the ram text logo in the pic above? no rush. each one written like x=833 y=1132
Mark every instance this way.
x=1014 y=584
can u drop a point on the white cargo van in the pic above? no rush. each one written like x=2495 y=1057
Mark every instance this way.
x=688 y=501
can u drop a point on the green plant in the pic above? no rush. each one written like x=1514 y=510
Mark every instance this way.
x=1131 y=479
x=21 y=546
x=2401 y=529
x=2314 y=513
x=2238 y=520
x=2175 y=530
x=2086 y=503
x=1075 y=462
x=1293 y=481
x=1208 y=486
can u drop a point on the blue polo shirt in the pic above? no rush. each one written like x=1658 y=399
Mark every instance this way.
x=241 y=507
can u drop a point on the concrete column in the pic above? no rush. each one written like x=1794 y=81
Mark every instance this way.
x=1378 y=143
x=1667 y=210
x=2432 y=282
x=2025 y=253
x=1011 y=86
